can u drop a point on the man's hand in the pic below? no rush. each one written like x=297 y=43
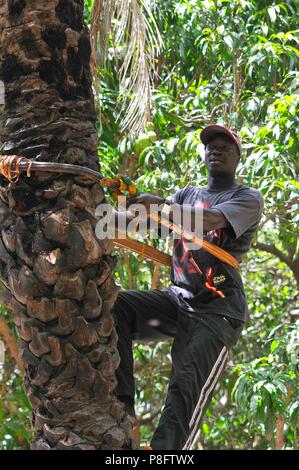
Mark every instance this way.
x=146 y=199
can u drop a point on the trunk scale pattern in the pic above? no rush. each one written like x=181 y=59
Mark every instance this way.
x=57 y=277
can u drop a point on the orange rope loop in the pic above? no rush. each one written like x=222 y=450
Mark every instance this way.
x=9 y=167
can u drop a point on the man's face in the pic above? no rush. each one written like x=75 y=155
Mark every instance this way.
x=221 y=156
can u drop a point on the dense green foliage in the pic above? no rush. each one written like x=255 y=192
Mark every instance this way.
x=232 y=62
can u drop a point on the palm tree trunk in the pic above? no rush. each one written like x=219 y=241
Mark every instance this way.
x=57 y=276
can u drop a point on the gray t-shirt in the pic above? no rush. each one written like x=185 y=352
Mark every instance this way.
x=200 y=281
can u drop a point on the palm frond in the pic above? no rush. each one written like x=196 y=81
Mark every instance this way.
x=137 y=42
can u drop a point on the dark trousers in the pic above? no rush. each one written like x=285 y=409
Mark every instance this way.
x=199 y=355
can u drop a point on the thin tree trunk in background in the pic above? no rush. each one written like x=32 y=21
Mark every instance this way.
x=280 y=423
x=279 y=438
x=129 y=269
x=57 y=276
x=156 y=276
x=10 y=343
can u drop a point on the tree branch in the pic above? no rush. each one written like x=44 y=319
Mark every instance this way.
x=149 y=418
x=156 y=276
x=274 y=251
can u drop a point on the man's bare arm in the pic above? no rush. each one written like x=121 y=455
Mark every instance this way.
x=212 y=218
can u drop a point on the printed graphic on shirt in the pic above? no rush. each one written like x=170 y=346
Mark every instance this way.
x=185 y=266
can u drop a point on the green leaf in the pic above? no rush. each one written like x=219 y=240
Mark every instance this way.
x=270 y=388
x=282 y=387
x=274 y=346
x=254 y=403
x=228 y=41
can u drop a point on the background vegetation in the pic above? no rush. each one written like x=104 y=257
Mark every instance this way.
x=236 y=63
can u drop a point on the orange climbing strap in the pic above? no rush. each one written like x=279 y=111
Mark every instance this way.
x=213 y=249
x=146 y=251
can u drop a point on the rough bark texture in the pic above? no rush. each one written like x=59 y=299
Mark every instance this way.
x=57 y=277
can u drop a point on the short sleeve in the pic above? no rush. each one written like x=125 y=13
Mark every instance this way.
x=243 y=211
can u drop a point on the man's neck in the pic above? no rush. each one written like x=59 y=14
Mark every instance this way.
x=220 y=182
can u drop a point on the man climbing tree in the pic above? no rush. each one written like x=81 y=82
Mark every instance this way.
x=205 y=307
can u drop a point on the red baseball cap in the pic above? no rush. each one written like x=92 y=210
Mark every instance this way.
x=207 y=133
